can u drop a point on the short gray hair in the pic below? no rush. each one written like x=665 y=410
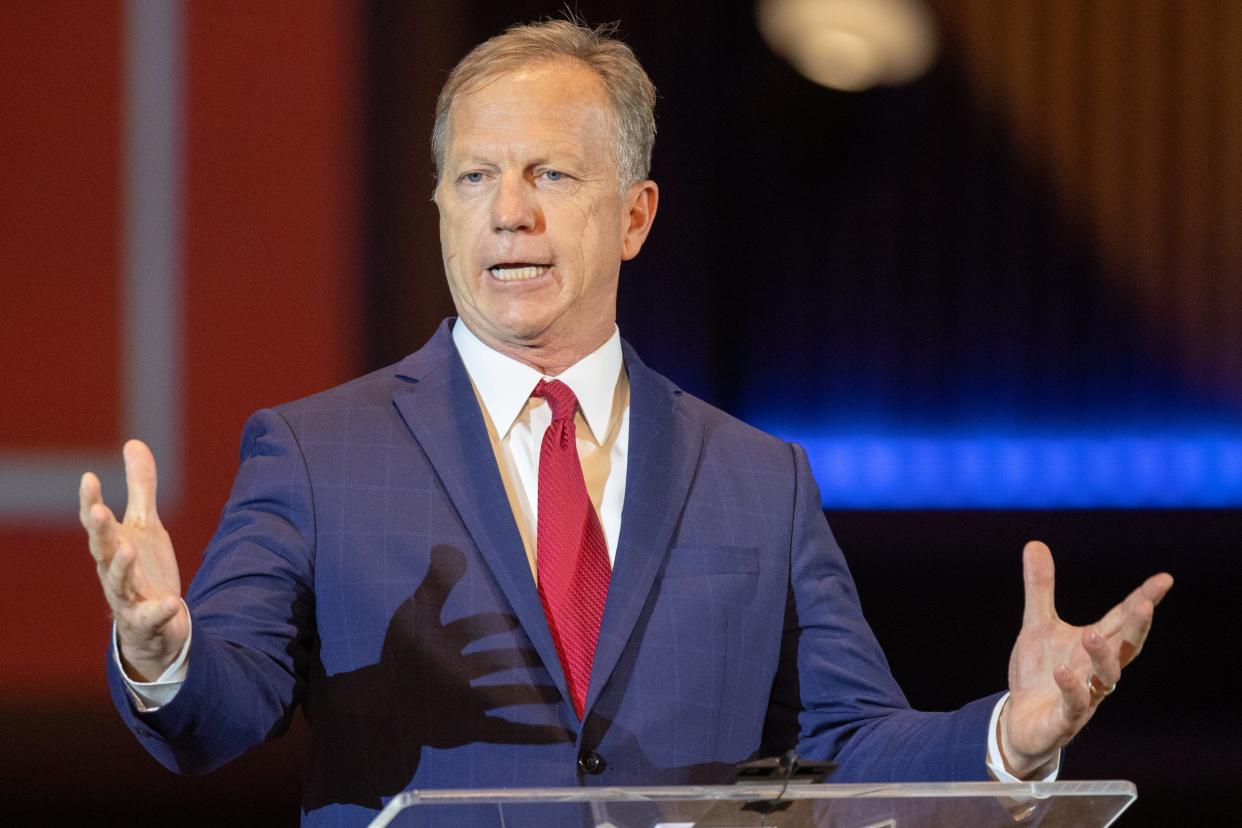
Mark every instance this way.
x=630 y=91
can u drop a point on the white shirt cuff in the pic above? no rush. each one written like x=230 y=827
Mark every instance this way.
x=996 y=763
x=149 y=696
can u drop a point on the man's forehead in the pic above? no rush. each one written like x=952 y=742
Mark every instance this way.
x=567 y=81
x=531 y=107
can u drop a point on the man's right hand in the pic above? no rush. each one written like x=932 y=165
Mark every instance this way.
x=137 y=568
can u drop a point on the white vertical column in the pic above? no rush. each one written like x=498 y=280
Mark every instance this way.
x=153 y=233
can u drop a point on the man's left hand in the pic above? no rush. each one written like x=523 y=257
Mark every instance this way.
x=1059 y=673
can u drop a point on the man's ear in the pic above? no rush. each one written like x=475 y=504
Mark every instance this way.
x=641 y=201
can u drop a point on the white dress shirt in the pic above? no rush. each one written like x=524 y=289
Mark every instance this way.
x=516 y=423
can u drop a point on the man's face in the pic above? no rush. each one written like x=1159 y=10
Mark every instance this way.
x=533 y=222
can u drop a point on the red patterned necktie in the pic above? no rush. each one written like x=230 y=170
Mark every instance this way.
x=571 y=553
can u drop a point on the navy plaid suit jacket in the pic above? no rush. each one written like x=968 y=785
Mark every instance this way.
x=368 y=566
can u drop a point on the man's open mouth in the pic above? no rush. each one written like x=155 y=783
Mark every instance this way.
x=517 y=272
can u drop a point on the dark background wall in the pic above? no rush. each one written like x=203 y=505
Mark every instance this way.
x=1041 y=233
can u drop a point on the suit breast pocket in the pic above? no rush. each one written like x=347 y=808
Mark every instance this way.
x=705 y=604
x=717 y=560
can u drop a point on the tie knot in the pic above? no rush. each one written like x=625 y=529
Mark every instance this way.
x=560 y=396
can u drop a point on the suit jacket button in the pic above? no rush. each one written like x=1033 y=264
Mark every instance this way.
x=591 y=762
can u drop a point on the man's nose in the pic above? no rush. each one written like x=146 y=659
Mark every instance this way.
x=514 y=209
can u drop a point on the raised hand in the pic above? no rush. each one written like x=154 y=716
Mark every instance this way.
x=1059 y=673
x=137 y=568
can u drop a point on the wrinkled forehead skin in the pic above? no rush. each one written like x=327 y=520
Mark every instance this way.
x=589 y=86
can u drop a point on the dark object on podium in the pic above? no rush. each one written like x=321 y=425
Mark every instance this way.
x=786 y=769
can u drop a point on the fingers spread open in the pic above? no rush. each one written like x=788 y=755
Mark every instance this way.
x=119 y=580
x=89 y=493
x=1129 y=622
x=1156 y=587
x=1151 y=591
x=1038 y=578
x=1134 y=632
x=140 y=480
x=96 y=519
x=101 y=532
x=1105 y=658
x=473 y=627
x=487 y=662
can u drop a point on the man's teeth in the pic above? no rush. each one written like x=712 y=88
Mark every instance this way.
x=517 y=274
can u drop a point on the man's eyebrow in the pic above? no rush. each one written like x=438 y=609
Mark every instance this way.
x=566 y=156
x=474 y=160
x=569 y=159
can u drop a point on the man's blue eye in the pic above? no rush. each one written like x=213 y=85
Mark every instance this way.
x=473 y=177
x=553 y=175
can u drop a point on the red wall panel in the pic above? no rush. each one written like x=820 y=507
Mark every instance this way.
x=60 y=117
x=270 y=275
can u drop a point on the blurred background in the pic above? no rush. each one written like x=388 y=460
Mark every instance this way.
x=983 y=259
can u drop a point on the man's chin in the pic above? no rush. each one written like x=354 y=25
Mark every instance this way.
x=518 y=333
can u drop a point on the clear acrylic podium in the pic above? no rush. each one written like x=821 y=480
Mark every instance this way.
x=770 y=805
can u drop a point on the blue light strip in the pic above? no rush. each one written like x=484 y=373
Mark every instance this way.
x=980 y=471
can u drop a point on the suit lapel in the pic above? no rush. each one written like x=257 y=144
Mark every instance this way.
x=437 y=403
x=664 y=448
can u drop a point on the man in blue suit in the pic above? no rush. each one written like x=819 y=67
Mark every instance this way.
x=383 y=559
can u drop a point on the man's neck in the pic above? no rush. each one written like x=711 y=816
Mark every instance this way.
x=547 y=358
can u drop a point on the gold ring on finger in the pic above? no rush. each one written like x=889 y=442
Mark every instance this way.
x=1099 y=689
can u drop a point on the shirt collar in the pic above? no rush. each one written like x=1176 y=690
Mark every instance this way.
x=504 y=384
